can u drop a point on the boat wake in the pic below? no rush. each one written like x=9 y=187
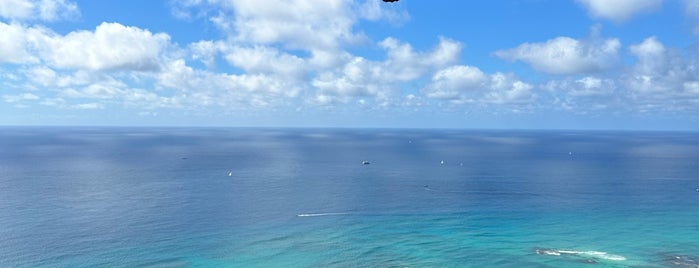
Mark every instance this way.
x=322 y=214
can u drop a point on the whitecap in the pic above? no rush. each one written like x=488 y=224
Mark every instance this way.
x=589 y=253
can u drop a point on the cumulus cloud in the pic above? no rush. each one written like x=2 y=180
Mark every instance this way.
x=507 y=89
x=296 y=24
x=206 y=51
x=652 y=56
x=565 y=55
x=406 y=64
x=202 y=88
x=111 y=46
x=282 y=54
x=619 y=10
x=45 y=10
x=661 y=74
x=362 y=77
x=592 y=86
x=468 y=84
x=283 y=48
x=310 y=25
x=109 y=91
x=43 y=76
x=373 y=10
x=176 y=75
x=455 y=82
x=661 y=79
x=584 y=95
x=268 y=60
x=19 y=44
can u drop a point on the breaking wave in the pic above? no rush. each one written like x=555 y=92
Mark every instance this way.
x=591 y=254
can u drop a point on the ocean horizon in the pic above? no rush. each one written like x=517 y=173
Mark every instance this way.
x=347 y=197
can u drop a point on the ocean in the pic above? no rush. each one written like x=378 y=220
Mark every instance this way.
x=249 y=197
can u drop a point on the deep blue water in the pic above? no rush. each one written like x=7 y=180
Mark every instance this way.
x=210 y=197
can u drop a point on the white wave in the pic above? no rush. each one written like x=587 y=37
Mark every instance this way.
x=603 y=255
x=593 y=254
x=322 y=214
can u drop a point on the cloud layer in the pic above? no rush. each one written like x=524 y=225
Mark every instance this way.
x=302 y=54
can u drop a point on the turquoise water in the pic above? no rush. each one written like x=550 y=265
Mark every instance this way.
x=177 y=197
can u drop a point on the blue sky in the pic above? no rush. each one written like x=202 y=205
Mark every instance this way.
x=525 y=64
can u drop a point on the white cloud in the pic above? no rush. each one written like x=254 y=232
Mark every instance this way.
x=110 y=92
x=585 y=95
x=297 y=24
x=357 y=78
x=467 y=84
x=19 y=44
x=88 y=106
x=619 y=10
x=381 y=79
x=588 y=86
x=507 y=89
x=404 y=64
x=662 y=78
x=565 y=55
x=310 y=25
x=455 y=81
x=278 y=55
x=105 y=90
x=203 y=88
x=46 y=10
x=373 y=10
x=656 y=71
x=206 y=52
x=283 y=48
x=267 y=60
x=248 y=90
x=592 y=86
x=176 y=75
x=111 y=46
x=51 y=10
x=651 y=54
x=43 y=76
x=16 y=9
x=19 y=98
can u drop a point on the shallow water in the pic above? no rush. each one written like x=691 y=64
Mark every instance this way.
x=163 y=197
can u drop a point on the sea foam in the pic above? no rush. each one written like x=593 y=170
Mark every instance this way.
x=589 y=253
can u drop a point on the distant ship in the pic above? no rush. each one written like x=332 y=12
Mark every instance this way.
x=365 y=162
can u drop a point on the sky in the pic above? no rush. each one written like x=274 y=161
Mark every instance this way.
x=499 y=64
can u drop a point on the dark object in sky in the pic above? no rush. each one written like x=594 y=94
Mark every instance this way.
x=390 y=1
